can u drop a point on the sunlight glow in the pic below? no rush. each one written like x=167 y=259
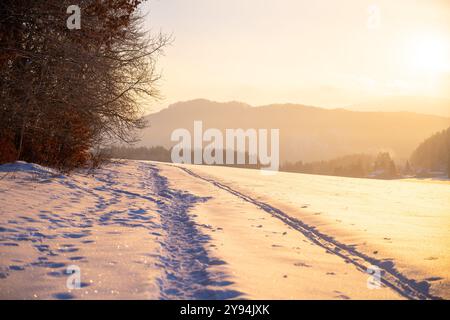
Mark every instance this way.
x=428 y=54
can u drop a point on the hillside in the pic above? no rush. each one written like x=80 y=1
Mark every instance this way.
x=306 y=133
x=433 y=154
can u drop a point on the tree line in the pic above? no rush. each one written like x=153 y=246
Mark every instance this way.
x=433 y=154
x=431 y=157
x=355 y=165
x=64 y=92
x=159 y=153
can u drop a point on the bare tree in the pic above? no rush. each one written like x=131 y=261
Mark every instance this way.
x=64 y=91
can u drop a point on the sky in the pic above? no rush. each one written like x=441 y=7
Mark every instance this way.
x=325 y=53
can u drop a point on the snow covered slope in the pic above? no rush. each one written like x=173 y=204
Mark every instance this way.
x=145 y=230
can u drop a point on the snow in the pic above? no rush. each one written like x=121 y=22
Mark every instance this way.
x=403 y=222
x=147 y=230
x=26 y=167
x=99 y=223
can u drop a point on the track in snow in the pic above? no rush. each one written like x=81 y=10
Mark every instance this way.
x=391 y=277
x=184 y=259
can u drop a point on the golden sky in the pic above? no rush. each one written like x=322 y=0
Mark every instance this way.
x=323 y=52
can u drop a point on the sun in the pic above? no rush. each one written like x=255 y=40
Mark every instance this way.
x=428 y=54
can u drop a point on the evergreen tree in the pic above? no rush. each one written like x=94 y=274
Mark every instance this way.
x=433 y=154
x=408 y=170
x=384 y=166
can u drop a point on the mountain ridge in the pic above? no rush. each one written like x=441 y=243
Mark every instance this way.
x=307 y=133
x=351 y=108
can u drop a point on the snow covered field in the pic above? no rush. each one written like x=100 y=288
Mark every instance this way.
x=145 y=230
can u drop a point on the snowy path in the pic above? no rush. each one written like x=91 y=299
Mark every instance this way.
x=144 y=230
x=402 y=224
x=390 y=276
x=127 y=231
x=184 y=258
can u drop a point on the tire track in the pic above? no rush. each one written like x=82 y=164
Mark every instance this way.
x=391 y=277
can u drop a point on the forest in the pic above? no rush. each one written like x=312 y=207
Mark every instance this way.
x=433 y=154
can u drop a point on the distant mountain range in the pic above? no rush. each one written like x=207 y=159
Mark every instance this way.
x=306 y=133
x=424 y=105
